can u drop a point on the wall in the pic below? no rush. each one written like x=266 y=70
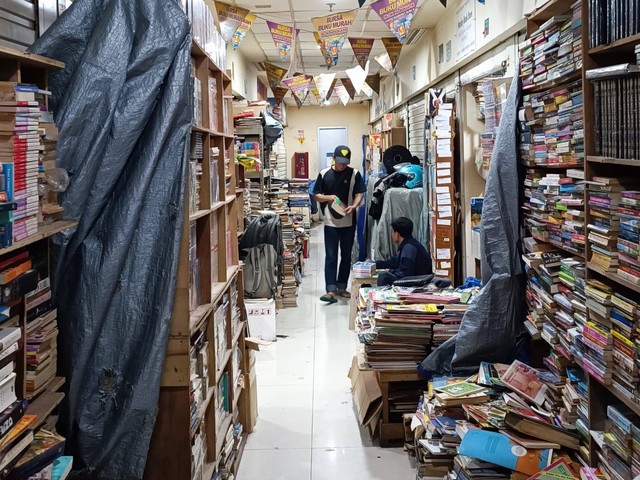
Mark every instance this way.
x=244 y=77
x=354 y=116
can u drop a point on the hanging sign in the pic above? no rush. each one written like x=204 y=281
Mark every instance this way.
x=349 y=87
x=229 y=19
x=317 y=96
x=368 y=91
x=243 y=29
x=299 y=86
x=373 y=81
x=324 y=84
x=361 y=2
x=342 y=93
x=444 y=3
x=282 y=37
x=279 y=93
x=361 y=49
x=274 y=74
x=358 y=75
x=393 y=47
x=331 y=89
x=323 y=50
x=385 y=62
x=333 y=30
x=466 y=28
x=397 y=15
x=293 y=61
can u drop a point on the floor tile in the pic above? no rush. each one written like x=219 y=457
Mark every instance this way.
x=369 y=463
x=292 y=464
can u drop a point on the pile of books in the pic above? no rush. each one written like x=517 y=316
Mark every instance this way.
x=629 y=236
x=554 y=211
x=42 y=351
x=195 y=172
x=490 y=99
x=595 y=341
x=255 y=197
x=610 y=21
x=618 y=446
x=625 y=322
x=553 y=51
x=199 y=378
x=205 y=33
x=553 y=127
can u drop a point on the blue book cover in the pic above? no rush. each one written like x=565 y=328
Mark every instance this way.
x=61 y=468
x=498 y=449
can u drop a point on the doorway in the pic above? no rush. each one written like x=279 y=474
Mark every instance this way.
x=328 y=139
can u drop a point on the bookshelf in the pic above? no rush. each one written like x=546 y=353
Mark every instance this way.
x=605 y=291
x=201 y=424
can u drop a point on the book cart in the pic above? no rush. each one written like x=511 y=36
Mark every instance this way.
x=202 y=418
x=581 y=228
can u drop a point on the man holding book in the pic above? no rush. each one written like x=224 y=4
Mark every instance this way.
x=339 y=191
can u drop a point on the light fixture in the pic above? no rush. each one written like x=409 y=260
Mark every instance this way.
x=262 y=6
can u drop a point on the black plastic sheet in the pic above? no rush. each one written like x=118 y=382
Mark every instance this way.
x=123 y=107
x=492 y=329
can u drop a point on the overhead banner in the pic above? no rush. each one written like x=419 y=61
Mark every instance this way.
x=229 y=19
x=358 y=75
x=282 y=36
x=373 y=81
x=385 y=62
x=323 y=50
x=333 y=30
x=361 y=2
x=368 y=91
x=279 y=93
x=393 y=47
x=361 y=49
x=317 y=96
x=324 y=84
x=332 y=89
x=299 y=86
x=342 y=93
x=349 y=87
x=243 y=29
x=275 y=74
x=397 y=15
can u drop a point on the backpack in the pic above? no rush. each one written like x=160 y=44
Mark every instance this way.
x=259 y=271
x=265 y=229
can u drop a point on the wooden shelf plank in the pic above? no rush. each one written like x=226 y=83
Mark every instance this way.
x=217 y=206
x=539 y=87
x=634 y=406
x=241 y=447
x=29 y=59
x=198 y=51
x=613 y=161
x=220 y=369
x=199 y=214
x=548 y=10
x=43 y=406
x=44 y=231
x=614 y=277
x=564 y=248
x=198 y=316
x=221 y=434
x=241 y=327
x=625 y=45
x=559 y=166
x=203 y=409
x=201 y=129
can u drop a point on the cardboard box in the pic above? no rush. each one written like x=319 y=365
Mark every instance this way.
x=262 y=318
x=390 y=120
x=366 y=394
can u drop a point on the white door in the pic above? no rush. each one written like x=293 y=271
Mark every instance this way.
x=328 y=139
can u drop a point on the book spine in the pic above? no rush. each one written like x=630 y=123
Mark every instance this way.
x=11 y=415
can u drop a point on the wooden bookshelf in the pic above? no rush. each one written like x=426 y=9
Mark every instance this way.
x=210 y=237
x=625 y=45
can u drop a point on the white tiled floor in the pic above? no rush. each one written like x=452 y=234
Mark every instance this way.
x=307 y=427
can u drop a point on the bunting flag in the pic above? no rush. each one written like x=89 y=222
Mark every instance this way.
x=361 y=49
x=299 y=86
x=324 y=84
x=243 y=29
x=349 y=87
x=368 y=91
x=397 y=15
x=279 y=93
x=275 y=74
x=282 y=36
x=393 y=47
x=323 y=50
x=332 y=88
x=342 y=93
x=373 y=82
x=333 y=30
x=317 y=96
x=444 y=3
x=385 y=62
x=358 y=76
x=229 y=19
x=293 y=61
x=361 y=2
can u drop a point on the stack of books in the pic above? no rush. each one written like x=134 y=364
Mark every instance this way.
x=595 y=341
x=618 y=445
x=629 y=237
x=624 y=330
x=199 y=378
x=195 y=172
x=194 y=268
x=611 y=21
x=255 y=197
x=603 y=198
x=42 y=352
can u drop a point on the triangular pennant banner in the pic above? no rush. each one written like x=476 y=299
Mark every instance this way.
x=279 y=93
x=324 y=84
x=333 y=30
x=323 y=50
x=358 y=75
x=299 y=86
x=444 y=3
x=342 y=93
x=368 y=91
x=349 y=86
x=274 y=74
x=282 y=37
x=373 y=81
x=385 y=62
x=397 y=15
x=361 y=2
x=361 y=49
x=317 y=96
x=229 y=19
x=293 y=61
x=332 y=88
x=393 y=47
x=243 y=29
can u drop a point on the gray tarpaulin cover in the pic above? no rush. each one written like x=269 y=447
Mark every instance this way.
x=493 y=324
x=123 y=107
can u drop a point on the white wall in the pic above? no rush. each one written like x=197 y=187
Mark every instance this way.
x=354 y=116
x=244 y=77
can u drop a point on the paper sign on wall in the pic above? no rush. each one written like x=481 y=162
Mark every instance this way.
x=229 y=19
x=466 y=28
x=397 y=15
x=243 y=29
x=333 y=30
x=282 y=36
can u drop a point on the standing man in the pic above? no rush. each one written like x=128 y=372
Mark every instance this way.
x=339 y=191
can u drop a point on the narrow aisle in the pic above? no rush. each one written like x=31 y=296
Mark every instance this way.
x=307 y=426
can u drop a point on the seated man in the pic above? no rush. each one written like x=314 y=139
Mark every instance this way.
x=413 y=259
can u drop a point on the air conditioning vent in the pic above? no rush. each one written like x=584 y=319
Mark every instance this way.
x=259 y=66
x=415 y=36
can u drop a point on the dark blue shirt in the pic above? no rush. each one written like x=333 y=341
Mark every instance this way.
x=412 y=259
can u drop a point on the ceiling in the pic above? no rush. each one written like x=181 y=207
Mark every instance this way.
x=258 y=45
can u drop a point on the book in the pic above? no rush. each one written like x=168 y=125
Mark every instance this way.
x=10 y=416
x=524 y=380
x=500 y=450
x=62 y=468
x=460 y=389
x=544 y=431
x=10 y=451
x=558 y=470
x=46 y=447
x=530 y=442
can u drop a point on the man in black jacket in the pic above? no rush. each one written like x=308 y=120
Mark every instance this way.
x=412 y=259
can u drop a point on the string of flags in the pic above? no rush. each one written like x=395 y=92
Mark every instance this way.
x=330 y=34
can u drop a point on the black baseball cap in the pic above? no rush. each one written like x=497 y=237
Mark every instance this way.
x=342 y=154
